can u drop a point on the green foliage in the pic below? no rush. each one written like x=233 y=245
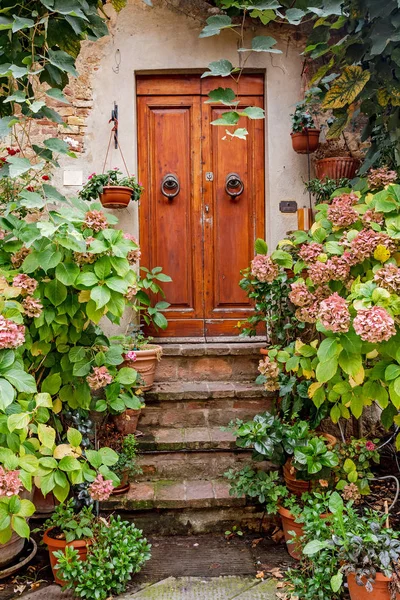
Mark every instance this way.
x=71 y=524
x=94 y=186
x=326 y=189
x=13 y=514
x=355 y=458
x=302 y=118
x=263 y=486
x=118 y=543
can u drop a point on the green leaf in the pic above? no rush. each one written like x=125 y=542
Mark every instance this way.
x=108 y=456
x=57 y=145
x=282 y=258
x=18 y=166
x=63 y=61
x=31 y=199
x=46 y=435
x=20 y=526
x=51 y=384
x=87 y=279
x=69 y=463
x=326 y=370
x=7 y=394
x=336 y=503
x=294 y=15
x=225 y=96
x=57 y=95
x=227 y=119
x=336 y=582
x=94 y=458
x=328 y=349
x=74 y=437
x=126 y=376
x=219 y=68
x=253 y=112
x=215 y=24
x=77 y=354
x=261 y=246
x=314 y=546
x=21 y=380
x=56 y=292
x=262 y=43
x=350 y=363
x=357 y=405
x=67 y=273
x=392 y=372
x=102 y=267
x=18 y=421
x=100 y=295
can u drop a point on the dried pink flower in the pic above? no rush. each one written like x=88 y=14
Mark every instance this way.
x=334 y=314
x=10 y=483
x=380 y=178
x=101 y=488
x=339 y=266
x=310 y=252
x=341 y=212
x=96 y=220
x=12 y=335
x=389 y=278
x=18 y=257
x=27 y=284
x=366 y=242
x=32 y=307
x=131 y=293
x=263 y=268
x=300 y=295
x=351 y=492
x=374 y=325
x=99 y=378
x=134 y=255
x=320 y=272
x=308 y=314
x=86 y=258
x=270 y=370
x=370 y=216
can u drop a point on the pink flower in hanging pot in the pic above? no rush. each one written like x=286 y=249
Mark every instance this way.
x=91 y=175
x=131 y=355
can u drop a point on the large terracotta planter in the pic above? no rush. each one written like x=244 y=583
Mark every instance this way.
x=146 y=364
x=299 y=486
x=53 y=545
x=44 y=504
x=306 y=141
x=336 y=167
x=289 y=525
x=380 y=589
x=115 y=196
x=127 y=421
x=11 y=549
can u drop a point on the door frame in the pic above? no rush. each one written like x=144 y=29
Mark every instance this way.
x=194 y=85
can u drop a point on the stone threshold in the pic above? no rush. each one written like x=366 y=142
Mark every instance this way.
x=213 y=349
x=167 y=439
x=203 y=390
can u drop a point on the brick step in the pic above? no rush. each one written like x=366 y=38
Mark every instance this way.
x=201 y=404
x=184 y=506
x=203 y=362
x=194 y=465
x=169 y=439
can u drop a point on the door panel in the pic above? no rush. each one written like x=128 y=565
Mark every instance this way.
x=202 y=238
x=170 y=229
x=231 y=224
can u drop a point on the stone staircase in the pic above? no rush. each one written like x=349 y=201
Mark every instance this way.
x=184 y=452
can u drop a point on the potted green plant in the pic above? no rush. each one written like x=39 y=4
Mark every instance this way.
x=126 y=446
x=324 y=189
x=305 y=136
x=114 y=189
x=117 y=543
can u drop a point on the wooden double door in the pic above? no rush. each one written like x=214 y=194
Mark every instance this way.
x=203 y=204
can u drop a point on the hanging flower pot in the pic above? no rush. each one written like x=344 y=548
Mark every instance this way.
x=115 y=196
x=336 y=167
x=380 y=589
x=306 y=141
x=112 y=188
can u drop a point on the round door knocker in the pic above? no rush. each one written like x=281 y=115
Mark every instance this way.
x=234 y=186
x=170 y=186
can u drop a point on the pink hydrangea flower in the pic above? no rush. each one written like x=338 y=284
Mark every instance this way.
x=99 y=378
x=370 y=446
x=308 y=314
x=300 y=295
x=339 y=266
x=310 y=252
x=366 y=242
x=320 y=272
x=12 y=335
x=96 y=220
x=32 y=307
x=374 y=325
x=26 y=283
x=131 y=355
x=270 y=370
x=10 y=483
x=263 y=268
x=101 y=488
x=341 y=212
x=131 y=293
x=91 y=175
x=380 y=178
x=334 y=314
x=18 y=257
x=134 y=255
x=389 y=278
x=370 y=216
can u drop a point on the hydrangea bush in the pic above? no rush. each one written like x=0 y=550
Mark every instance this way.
x=347 y=286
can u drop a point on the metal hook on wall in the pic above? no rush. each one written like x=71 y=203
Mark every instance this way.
x=114 y=118
x=117 y=59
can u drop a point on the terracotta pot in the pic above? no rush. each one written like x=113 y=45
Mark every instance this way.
x=44 y=504
x=146 y=364
x=53 y=545
x=380 y=591
x=11 y=549
x=289 y=524
x=264 y=351
x=123 y=486
x=336 y=167
x=115 y=196
x=305 y=141
x=299 y=486
x=127 y=421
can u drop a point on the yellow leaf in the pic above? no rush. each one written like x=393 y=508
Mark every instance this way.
x=308 y=374
x=346 y=88
x=368 y=198
x=84 y=296
x=63 y=450
x=313 y=388
x=322 y=71
x=57 y=406
x=381 y=253
x=358 y=378
x=398 y=442
x=298 y=344
x=372 y=354
x=383 y=97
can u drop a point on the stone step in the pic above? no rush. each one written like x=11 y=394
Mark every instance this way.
x=184 y=506
x=194 y=465
x=201 y=404
x=204 y=362
x=168 y=439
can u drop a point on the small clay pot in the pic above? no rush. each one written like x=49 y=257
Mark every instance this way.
x=123 y=486
x=127 y=421
x=115 y=196
x=380 y=589
x=306 y=141
x=44 y=504
x=336 y=167
x=145 y=364
x=11 y=549
x=53 y=545
x=264 y=351
x=289 y=524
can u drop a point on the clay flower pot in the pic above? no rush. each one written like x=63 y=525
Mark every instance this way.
x=336 y=167
x=289 y=525
x=264 y=351
x=380 y=591
x=11 y=549
x=145 y=364
x=306 y=141
x=115 y=196
x=299 y=486
x=53 y=545
x=127 y=421
x=123 y=486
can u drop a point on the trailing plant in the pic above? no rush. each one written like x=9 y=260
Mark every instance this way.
x=326 y=189
x=114 y=177
x=302 y=119
x=117 y=543
x=126 y=446
x=264 y=486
